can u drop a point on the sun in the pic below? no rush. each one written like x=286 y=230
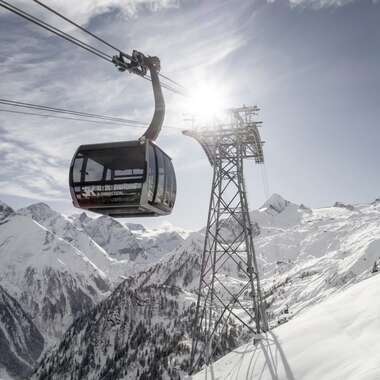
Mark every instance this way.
x=206 y=102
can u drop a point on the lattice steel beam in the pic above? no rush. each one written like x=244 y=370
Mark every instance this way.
x=227 y=146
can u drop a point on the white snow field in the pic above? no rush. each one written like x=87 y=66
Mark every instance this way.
x=338 y=339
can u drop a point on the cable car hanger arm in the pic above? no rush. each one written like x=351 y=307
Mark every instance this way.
x=139 y=64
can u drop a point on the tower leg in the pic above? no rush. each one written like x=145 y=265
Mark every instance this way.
x=225 y=300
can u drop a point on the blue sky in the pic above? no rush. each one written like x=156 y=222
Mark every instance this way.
x=312 y=67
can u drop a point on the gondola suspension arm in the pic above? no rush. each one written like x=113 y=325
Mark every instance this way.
x=139 y=64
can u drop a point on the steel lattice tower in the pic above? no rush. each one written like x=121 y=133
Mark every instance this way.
x=228 y=237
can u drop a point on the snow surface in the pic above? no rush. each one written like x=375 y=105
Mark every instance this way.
x=336 y=339
x=159 y=241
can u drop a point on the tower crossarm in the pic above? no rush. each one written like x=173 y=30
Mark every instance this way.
x=246 y=136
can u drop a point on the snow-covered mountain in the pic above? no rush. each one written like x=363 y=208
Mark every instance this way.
x=57 y=267
x=21 y=343
x=305 y=256
x=158 y=242
x=112 y=236
x=325 y=251
x=180 y=268
x=51 y=279
x=95 y=238
x=336 y=339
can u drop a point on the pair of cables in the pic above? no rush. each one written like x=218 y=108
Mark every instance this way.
x=166 y=82
x=60 y=113
x=67 y=114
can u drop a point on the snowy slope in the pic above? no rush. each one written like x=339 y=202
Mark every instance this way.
x=20 y=341
x=327 y=250
x=87 y=235
x=160 y=241
x=112 y=236
x=304 y=254
x=337 y=339
x=179 y=268
x=51 y=279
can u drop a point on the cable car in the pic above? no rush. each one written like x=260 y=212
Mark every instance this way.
x=123 y=179
x=127 y=178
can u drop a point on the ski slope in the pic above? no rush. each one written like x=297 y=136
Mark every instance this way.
x=334 y=340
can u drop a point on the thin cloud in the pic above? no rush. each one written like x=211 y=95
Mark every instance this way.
x=28 y=172
x=83 y=11
x=318 y=4
x=42 y=69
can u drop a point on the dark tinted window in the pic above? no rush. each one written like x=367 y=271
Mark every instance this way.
x=151 y=172
x=77 y=169
x=168 y=182
x=94 y=171
x=126 y=163
x=119 y=158
x=173 y=184
x=161 y=176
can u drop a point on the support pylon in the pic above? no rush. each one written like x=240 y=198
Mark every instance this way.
x=228 y=245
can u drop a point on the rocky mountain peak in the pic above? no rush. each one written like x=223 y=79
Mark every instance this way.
x=344 y=205
x=83 y=217
x=135 y=227
x=5 y=210
x=276 y=202
x=38 y=211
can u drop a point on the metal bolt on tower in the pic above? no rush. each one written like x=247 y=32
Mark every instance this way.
x=229 y=233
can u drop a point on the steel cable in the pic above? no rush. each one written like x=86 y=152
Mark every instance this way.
x=55 y=30
x=167 y=86
x=81 y=116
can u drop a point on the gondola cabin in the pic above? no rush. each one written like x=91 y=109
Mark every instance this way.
x=123 y=179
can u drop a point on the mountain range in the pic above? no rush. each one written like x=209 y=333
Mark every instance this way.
x=93 y=298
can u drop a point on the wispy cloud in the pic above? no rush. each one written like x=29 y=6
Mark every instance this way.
x=318 y=4
x=252 y=51
x=28 y=172
x=39 y=68
x=83 y=11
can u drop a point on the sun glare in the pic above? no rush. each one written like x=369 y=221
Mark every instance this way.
x=206 y=102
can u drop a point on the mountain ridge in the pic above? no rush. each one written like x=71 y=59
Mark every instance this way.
x=305 y=255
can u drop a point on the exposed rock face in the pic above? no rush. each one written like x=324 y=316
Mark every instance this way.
x=112 y=236
x=21 y=343
x=135 y=227
x=130 y=335
x=344 y=205
x=5 y=211
x=134 y=334
x=181 y=268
